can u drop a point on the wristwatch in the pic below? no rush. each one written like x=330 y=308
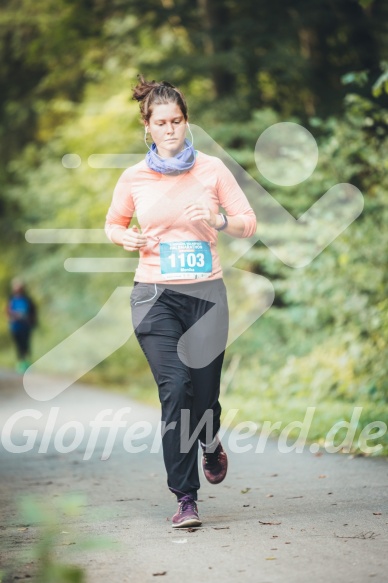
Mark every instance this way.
x=224 y=224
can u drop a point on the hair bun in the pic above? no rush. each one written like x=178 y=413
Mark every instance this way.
x=143 y=88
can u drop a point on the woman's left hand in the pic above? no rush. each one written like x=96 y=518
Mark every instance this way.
x=199 y=211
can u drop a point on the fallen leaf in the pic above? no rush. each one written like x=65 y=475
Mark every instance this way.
x=159 y=574
x=322 y=476
x=271 y=523
x=377 y=513
x=245 y=490
x=363 y=535
x=270 y=558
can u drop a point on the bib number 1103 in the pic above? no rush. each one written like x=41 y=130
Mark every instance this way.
x=187 y=260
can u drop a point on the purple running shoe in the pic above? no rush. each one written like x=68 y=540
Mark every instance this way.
x=214 y=464
x=187 y=513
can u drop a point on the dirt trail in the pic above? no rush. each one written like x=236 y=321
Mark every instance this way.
x=277 y=518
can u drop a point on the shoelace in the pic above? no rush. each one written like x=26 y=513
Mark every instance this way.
x=187 y=503
x=211 y=459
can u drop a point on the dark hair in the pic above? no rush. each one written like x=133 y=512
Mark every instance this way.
x=150 y=93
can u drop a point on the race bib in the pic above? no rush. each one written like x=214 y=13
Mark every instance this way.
x=185 y=259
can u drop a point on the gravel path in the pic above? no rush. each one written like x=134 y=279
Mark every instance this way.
x=277 y=518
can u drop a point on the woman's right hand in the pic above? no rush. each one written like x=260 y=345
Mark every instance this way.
x=133 y=239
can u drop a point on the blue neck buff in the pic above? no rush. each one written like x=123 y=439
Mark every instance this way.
x=183 y=161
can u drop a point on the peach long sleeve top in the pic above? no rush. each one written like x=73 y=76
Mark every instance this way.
x=177 y=250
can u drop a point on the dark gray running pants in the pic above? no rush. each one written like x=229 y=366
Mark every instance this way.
x=182 y=330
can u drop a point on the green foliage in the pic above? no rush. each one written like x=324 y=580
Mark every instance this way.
x=50 y=518
x=381 y=84
x=325 y=341
x=56 y=538
x=366 y=3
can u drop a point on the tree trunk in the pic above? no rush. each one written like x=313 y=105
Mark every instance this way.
x=217 y=44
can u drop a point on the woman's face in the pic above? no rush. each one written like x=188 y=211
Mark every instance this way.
x=167 y=126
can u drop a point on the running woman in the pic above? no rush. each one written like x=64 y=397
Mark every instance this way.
x=179 y=303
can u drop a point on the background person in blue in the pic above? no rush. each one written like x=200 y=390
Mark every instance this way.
x=21 y=311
